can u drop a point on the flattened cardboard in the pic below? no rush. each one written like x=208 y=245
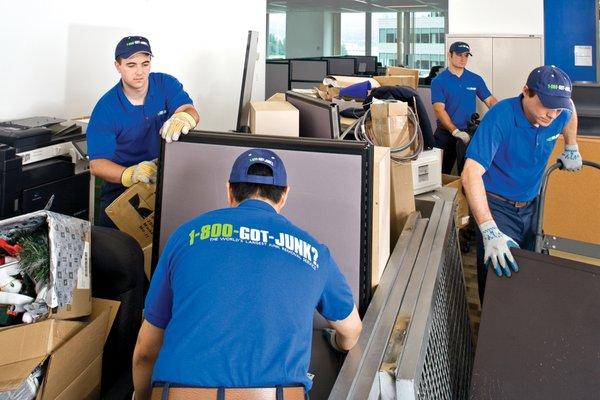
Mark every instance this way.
x=278 y=118
x=133 y=212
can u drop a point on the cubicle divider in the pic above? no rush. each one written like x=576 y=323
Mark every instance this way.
x=306 y=73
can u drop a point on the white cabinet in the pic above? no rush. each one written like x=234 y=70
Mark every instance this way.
x=504 y=62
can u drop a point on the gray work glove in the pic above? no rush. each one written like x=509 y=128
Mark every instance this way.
x=461 y=135
x=570 y=158
x=330 y=336
x=497 y=249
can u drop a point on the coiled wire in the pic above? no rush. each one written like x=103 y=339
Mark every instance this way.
x=361 y=134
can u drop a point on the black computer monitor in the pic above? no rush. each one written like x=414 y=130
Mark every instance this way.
x=247 y=80
x=318 y=118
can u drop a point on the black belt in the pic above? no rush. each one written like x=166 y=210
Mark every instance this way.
x=517 y=204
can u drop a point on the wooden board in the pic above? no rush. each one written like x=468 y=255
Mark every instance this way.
x=380 y=251
x=572 y=201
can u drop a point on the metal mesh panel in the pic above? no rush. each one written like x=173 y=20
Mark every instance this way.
x=446 y=372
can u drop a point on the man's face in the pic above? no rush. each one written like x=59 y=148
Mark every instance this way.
x=535 y=111
x=134 y=70
x=459 y=60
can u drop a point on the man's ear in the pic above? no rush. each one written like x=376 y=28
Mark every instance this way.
x=284 y=197
x=230 y=198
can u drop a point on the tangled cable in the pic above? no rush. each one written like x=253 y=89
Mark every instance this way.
x=361 y=134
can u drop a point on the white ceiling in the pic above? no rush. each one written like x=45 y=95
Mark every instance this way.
x=357 y=5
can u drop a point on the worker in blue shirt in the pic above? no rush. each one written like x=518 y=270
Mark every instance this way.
x=123 y=132
x=453 y=95
x=230 y=307
x=505 y=163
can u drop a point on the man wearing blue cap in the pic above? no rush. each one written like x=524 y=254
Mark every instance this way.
x=505 y=163
x=123 y=133
x=229 y=313
x=453 y=95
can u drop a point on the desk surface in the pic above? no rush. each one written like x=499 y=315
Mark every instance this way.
x=539 y=336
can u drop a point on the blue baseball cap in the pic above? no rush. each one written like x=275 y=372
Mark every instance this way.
x=460 y=48
x=239 y=171
x=552 y=85
x=131 y=45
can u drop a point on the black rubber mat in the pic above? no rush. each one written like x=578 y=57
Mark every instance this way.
x=539 y=336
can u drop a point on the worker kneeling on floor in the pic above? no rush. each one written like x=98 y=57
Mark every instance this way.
x=229 y=314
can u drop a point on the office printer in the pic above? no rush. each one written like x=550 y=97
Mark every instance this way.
x=41 y=157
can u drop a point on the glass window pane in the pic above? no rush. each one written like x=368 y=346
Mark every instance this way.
x=383 y=45
x=428 y=41
x=276 y=36
x=353 y=34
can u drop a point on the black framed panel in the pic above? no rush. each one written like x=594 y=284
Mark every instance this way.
x=330 y=192
x=277 y=77
x=318 y=118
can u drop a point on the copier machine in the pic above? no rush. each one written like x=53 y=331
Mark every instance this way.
x=41 y=157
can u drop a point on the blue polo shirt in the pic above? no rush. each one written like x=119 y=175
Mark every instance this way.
x=513 y=152
x=235 y=290
x=458 y=95
x=128 y=134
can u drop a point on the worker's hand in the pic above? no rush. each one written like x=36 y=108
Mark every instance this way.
x=462 y=135
x=497 y=249
x=330 y=336
x=142 y=172
x=570 y=159
x=180 y=122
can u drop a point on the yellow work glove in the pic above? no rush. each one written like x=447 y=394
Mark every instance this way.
x=142 y=172
x=180 y=122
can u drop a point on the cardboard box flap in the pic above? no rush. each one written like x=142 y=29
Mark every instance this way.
x=133 y=212
x=100 y=306
x=69 y=360
x=36 y=340
x=12 y=375
x=86 y=385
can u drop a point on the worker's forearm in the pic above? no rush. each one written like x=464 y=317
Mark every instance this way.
x=475 y=191
x=106 y=170
x=490 y=101
x=142 y=377
x=445 y=120
x=570 y=130
x=347 y=342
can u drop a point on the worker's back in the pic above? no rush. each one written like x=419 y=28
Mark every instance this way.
x=245 y=283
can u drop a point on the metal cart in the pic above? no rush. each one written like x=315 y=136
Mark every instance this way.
x=543 y=243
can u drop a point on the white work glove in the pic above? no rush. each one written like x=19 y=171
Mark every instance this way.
x=462 y=135
x=330 y=336
x=570 y=158
x=180 y=122
x=143 y=172
x=497 y=249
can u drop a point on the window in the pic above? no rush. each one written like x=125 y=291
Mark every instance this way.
x=428 y=33
x=276 y=35
x=384 y=38
x=353 y=34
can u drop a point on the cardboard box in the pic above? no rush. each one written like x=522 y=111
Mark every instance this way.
x=390 y=131
x=277 y=97
x=406 y=80
x=133 y=212
x=278 y=118
x=147 y=260
x=571 y=209
x=388 y=108
x=69 y=295
x=462 y=206
x=71 y=350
